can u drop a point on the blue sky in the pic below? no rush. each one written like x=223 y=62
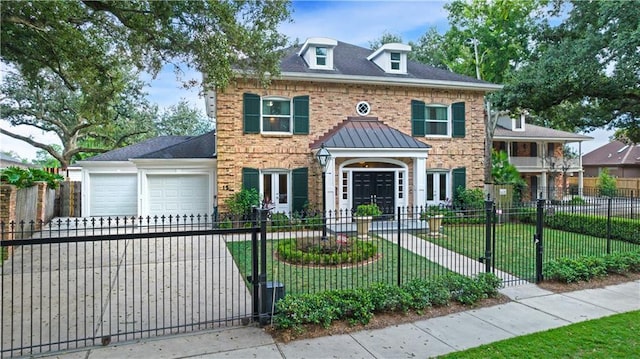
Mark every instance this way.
x=355 y=22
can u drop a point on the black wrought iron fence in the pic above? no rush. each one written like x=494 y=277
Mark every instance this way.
x=84 y=282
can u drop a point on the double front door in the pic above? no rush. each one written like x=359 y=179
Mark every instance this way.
x=374 y=187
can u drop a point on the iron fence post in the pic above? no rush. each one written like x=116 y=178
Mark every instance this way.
x=255 y=298
x=609 y=225
x=399 y=252
x=263 y=264
x=488 y=207
x=538 y=239
x=631 y=213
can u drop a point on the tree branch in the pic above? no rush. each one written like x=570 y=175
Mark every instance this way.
x=50 y=149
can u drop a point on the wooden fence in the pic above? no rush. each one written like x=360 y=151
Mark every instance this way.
x=627 y=184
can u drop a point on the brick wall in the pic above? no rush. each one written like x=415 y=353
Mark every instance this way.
x=329 y=105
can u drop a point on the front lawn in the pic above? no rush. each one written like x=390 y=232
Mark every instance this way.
x=610 y=337
x=515 y=248
x=300 y=279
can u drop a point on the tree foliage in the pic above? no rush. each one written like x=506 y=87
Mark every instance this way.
x=584 y=73
x=48 y=105
x=182 y=120
x=385 y=38
x=82 y=41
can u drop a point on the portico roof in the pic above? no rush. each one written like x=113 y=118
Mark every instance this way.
x=367 y=133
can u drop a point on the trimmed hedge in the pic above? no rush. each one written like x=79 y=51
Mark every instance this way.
x=585 y=268
x=358 y=251
x=624 y=229
x=359 y=305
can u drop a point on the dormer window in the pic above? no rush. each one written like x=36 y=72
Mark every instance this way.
x=391 y=58
x=317 y=52
x=518 y=123
x=395 y=61
x=321 y=56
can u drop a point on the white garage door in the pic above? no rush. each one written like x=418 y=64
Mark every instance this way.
x=178 y=194
x=113 y=194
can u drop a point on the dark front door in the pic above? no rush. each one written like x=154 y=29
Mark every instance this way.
x=374 y=187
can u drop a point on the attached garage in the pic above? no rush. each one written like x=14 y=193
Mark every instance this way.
x=169 y=175
x=178 y=194
x=113 y=194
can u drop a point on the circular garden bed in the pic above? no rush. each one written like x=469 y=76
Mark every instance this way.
x=329 y=252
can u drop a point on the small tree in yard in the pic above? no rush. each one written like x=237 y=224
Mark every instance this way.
x=606 y=184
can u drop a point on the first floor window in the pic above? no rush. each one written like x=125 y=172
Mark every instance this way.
x=437 y=188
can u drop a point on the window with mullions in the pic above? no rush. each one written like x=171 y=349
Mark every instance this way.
x=321 y=56
x=276 y=115
x=437 y=120
x=395 y=61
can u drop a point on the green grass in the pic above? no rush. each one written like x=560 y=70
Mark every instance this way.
x=515 y=249
x=309 y=279
x=610 y=337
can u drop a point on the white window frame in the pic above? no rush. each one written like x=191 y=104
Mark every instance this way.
x=448 y=189
x=262 y=114
x=428 y=121
x=325 y=57
x=393 y=61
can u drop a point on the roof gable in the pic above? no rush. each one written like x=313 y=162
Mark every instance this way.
x=533 y=132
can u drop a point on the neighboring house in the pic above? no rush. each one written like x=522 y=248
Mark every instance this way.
x=538 y=154
x=8 y=161
x=620 y=159
x=169 y=175
x=400 y=133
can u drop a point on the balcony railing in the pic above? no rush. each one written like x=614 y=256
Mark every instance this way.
x=540 y=163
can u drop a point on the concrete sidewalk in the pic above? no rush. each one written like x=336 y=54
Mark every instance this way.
x=532 y=310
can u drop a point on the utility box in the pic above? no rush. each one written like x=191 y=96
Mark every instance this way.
x=272 y=292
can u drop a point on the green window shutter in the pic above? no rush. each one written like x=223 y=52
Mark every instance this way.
x=457 y=112
x=459 y=179
x=300 y=188
x=301 y=115
x=251 y=178
x=251 y=113
x=417 y=118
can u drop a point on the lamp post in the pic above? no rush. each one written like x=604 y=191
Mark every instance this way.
x=323 y=157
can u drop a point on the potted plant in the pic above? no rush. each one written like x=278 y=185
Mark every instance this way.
x=434 y=215
x=364 y=215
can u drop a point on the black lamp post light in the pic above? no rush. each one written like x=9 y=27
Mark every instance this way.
x=323 y=157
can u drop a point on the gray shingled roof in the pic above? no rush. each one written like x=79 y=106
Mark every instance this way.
x=533 y=132
x=352 y=60
x=614 y=153
x=164 y=147
x=366 y=132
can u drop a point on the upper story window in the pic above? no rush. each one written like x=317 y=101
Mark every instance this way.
x=321 y=56
x=437 y=120
x=395 y=61
x=317 y=52
x=391 y=58
x=275 y=115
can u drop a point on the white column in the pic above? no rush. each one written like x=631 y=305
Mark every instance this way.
x=330 y=190
x=543 y=185
x=581 y=173
x=419 y=181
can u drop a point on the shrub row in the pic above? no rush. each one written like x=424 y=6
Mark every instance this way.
x=623 y=229
x=585 y=268
x=359 y=251
x=359 y=305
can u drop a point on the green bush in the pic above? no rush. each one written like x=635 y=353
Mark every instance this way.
x=241 y=203
x=468 y=199
x=623 y=229
x=326 y=253
x=279 y=220
x=364 y=210
x=576 y=200
x=359 y=305
x=23 y=178
x=585 y=268
x=606 y=184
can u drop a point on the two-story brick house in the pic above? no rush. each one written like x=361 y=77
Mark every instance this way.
x=400 y=133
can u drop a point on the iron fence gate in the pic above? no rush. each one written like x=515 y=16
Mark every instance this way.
x=85 y=282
